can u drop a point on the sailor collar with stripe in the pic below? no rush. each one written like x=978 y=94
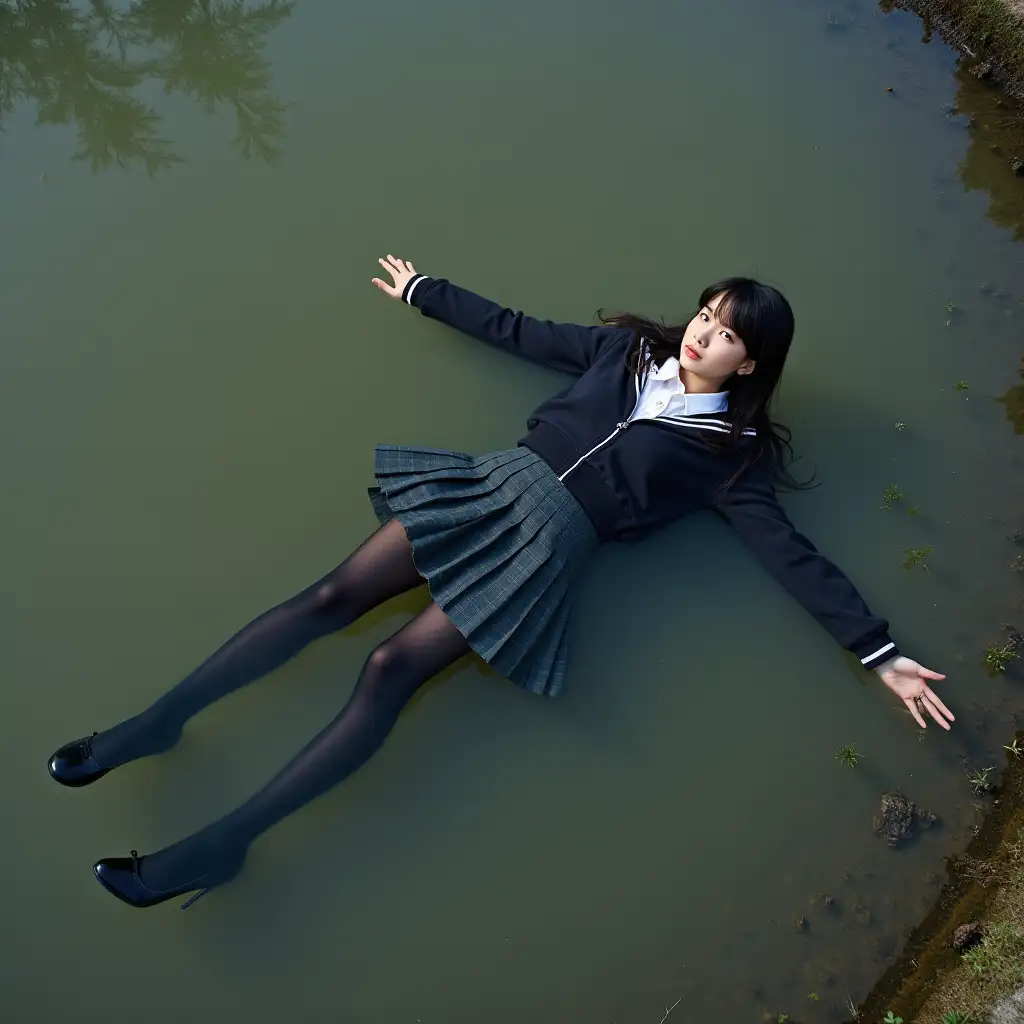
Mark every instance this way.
x=708 y=405
x=692 y=404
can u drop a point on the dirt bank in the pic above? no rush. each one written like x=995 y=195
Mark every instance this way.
x=989 y=32
x=986 y=885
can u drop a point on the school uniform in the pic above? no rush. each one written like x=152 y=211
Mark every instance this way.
x=615 y=455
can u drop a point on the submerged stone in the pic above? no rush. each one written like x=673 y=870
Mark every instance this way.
x=898 y=818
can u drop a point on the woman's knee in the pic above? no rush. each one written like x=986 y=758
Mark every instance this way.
x=388 y=663
x=332 y=599
x=391 y=675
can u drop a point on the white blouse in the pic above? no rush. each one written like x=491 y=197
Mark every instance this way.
x=664 y=394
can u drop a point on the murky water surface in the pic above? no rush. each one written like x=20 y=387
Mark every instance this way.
x=194 y=369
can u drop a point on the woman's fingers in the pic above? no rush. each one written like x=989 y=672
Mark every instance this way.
x=934 y=700
x=927 y=673
x=912 y=705
x=933 y=711
x=385 y=287
x=401 y=274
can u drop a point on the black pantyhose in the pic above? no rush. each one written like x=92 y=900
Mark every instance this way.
x=380 y=568
x=392 y=674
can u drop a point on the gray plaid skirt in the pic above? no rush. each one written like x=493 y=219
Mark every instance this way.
x=499 y=540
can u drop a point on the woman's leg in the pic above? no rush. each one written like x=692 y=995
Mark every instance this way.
x=394 y=671
x=380 y=568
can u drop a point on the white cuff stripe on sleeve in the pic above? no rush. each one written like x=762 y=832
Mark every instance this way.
x=412 y=287
x=881 y=650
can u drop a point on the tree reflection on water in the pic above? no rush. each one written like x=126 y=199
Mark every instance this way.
x=84 y=65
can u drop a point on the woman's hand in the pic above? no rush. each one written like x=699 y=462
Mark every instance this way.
x=907 y=680
x=401 y=271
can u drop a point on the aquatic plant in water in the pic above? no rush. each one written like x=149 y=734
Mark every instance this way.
x=962 y=385
x=890 y=496
x=978 y=779
x=891 y=1018
x=1014 y=749
x=848 y=755
x=997 y=658
x=914 y=510
x=916 y=556
x=900 y=425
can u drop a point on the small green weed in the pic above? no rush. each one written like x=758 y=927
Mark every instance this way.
x=1014 y=749
x=914 y=510
x=848 y=755
x=813 y=996
x=997 y=658
x=978 y=779
x=900 y=425
x=916 y=556
x=962 y=385
x=891 y=1018
x=1017 y=565
x=890 y=496
x=952 y=1017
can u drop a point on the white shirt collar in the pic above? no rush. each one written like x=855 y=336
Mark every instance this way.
x=696 y=405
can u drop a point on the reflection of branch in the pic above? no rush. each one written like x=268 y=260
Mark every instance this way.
x=121 y=130
x=259 y=121
x=76 y=67
x=214 y=39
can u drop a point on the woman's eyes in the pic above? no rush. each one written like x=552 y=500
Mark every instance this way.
x=725 y=334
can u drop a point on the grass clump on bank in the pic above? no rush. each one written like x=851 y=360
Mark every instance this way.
x=934 y=980
x=995 y=967
x=990 y=27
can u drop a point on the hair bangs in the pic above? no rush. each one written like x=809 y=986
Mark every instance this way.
x=742 y=309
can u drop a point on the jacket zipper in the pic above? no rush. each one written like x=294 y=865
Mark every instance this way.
x=618 y=428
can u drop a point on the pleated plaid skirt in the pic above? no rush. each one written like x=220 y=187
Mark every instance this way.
x=499 y=540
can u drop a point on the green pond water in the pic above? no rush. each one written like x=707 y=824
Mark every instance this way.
x=194 y=369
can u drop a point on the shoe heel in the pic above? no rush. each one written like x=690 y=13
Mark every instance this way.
x=188 y=903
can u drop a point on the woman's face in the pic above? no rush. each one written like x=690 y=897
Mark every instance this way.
x=711 y=350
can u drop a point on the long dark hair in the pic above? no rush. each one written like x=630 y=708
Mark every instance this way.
x=763 y=318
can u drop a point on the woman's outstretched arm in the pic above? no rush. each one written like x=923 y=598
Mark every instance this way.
x=753 y=510
x=569 y=347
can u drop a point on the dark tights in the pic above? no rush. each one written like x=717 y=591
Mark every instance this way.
x=380 y=568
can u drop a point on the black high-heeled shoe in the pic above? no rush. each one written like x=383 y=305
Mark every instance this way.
x=74 y=765
x=120 y=877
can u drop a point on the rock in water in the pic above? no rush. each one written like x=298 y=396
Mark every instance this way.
x=895 y=818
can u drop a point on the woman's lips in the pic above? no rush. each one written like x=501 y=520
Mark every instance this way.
x=691 y=352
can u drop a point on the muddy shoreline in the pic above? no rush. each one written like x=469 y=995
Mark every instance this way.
x=990 y=35
x=974 y=879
